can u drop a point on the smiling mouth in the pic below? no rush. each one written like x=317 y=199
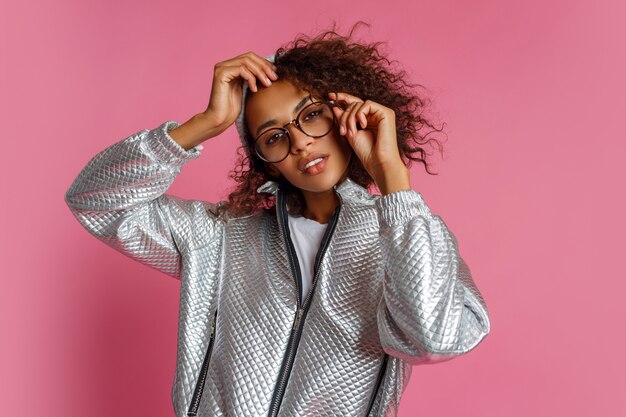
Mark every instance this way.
x=313 y=162
x=315 y=166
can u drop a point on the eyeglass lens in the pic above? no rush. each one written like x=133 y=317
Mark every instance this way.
x=315 y=120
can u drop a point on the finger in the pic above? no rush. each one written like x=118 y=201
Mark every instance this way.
x=340 y=115
x=338 y=112
x=248 y=76
x=343 y=123
x=251 y=55
x=348 y=98
x=349 y=126
x=352 y=120
x=261 y=60
x=364 y=110
x=342 y=104
x=349 y=120
x=265 y=65
x=255 y=69
x=362 y=116
x=260 y=67
x=263 y=69
x=226 y=73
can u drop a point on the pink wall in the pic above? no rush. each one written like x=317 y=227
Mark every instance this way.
x=531 y=92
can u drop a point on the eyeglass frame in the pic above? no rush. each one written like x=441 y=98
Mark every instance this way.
x=330 y=103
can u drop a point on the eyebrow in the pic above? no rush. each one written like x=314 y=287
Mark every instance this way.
x=272 y=122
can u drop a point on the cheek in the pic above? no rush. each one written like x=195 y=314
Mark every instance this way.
x=281 y=168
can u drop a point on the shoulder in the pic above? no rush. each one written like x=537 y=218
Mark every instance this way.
x=355 y=194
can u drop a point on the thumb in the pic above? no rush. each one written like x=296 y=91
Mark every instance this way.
x=338 y=112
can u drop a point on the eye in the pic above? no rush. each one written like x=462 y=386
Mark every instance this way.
x=273 y=138
x=313 y=114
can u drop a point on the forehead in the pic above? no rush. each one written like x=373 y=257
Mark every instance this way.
x=274 y=102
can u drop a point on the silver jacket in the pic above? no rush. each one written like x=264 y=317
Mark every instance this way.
x=389 y=290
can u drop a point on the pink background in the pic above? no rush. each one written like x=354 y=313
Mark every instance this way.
x=531 y=186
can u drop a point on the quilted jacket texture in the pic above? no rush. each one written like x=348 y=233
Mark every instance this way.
x=390 y=289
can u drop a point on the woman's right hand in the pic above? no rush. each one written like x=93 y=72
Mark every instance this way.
x=226 y=91
x=226 y=97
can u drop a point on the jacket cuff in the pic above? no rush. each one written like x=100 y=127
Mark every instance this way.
x=166 y=150
x=398 y=208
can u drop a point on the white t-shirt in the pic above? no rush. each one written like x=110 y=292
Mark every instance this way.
x=306 y=235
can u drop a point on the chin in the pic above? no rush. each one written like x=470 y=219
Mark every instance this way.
x=322 y=182
x=321 y=187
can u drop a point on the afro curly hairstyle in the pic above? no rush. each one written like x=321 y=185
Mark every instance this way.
x=330 y=62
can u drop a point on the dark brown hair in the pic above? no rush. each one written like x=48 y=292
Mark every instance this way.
x=328 y=63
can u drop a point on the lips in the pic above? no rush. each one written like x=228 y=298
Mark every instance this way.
x=312 y=157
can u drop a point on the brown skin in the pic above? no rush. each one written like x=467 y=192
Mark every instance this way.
x=225 y=102
x=375 y=143
x=327 y=63
x=278 y=102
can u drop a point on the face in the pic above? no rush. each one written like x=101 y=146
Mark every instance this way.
x=313 y=164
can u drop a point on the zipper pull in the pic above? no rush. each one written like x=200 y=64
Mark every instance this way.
x=296 y=322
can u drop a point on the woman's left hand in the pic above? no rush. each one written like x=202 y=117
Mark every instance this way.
x=375 y=143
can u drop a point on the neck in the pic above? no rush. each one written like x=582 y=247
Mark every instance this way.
x=320 y=206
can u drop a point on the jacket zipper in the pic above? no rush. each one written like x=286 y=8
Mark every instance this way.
x=379 y=380
x=303 y=308
x=197 y=394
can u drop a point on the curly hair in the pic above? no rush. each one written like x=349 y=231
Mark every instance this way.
x=328 y=63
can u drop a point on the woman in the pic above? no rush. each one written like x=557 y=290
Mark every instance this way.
x=303 y=294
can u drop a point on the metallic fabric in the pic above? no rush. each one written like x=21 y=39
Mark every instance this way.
x=390 y=289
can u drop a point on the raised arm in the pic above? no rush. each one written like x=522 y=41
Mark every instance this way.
x=430 y=310
x=119 y=197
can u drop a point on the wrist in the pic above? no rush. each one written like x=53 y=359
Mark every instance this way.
x=392 y=179
x=212 y=124
x=195 y=131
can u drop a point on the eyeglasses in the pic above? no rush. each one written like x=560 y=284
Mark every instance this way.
x=315 y=120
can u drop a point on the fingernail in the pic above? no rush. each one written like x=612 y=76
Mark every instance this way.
x=274 y=75
x=342 y=130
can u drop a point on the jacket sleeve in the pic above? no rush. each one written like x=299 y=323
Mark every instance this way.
x=431 y=310
x=119 y=198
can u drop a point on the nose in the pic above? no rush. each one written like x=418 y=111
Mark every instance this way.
x=299 y=140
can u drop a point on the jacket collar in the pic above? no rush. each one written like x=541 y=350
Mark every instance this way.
x=348 y=190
